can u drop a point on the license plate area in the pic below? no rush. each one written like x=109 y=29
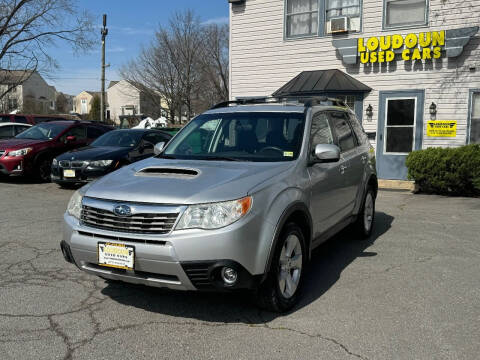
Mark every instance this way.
x=68 y=173
x=114 y=255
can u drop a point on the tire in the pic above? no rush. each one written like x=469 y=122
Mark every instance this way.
x=281 y=290
x=366 y=217
x=44 y=168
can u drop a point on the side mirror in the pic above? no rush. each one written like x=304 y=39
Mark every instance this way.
x=158 y=148
x=70 y=138
x=326 y=153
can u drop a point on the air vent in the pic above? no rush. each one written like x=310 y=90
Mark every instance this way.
x=173 y=172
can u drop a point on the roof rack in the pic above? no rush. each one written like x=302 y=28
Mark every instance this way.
x=306 y=101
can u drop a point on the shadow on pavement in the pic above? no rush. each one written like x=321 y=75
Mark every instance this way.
x=328 y=262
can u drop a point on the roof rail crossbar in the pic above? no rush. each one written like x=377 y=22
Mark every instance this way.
x=305 y=101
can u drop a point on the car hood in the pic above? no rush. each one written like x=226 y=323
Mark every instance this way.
x=95 y=153
x=19 y=143
x=161 y=181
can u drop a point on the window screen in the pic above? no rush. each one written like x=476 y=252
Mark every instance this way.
x=302 y=18
x=475 y=119
x=405 y=13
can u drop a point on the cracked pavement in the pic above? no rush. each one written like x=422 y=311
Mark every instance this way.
x=410 y=292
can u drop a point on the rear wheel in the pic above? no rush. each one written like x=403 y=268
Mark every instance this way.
x=44 y=168
x=280 y=291
x=366 y=217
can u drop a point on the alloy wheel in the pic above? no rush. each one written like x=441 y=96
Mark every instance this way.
x=290 y=266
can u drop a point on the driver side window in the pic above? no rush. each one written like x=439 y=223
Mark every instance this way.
x=321 y=133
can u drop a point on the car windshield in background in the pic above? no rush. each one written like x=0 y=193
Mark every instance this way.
x=44 y=131
x=240 y=137
x=119 y=138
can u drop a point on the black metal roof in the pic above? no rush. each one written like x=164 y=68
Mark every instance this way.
x=310 y=83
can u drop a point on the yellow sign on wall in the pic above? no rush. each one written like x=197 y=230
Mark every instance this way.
x=442 y=128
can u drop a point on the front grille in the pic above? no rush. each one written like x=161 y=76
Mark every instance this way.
x=64 y=163
x=71 y=164
x=141 y=223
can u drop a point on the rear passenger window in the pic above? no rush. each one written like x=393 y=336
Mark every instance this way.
x=93 y=133
x=342 y=130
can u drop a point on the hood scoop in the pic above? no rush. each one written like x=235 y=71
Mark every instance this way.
x=168 y=172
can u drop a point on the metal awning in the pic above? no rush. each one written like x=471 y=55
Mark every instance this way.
x=321 y=82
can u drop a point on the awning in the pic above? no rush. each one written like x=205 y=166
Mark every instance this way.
x=321 y=82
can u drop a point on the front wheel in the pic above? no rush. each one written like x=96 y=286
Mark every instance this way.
x=44 y=168
x=280 y=291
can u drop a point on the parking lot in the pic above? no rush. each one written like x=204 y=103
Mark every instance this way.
x=410 y=292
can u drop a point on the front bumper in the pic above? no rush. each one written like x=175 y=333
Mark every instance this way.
x=82 y=175
x=182 y=260
x=12 y=165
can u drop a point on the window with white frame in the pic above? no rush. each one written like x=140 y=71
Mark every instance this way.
x=475 y=119
x=320 y=17
x=404 y=13
x=301 y=18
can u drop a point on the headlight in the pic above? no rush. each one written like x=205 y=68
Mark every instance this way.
x=54 y=162
x=20 y=152
x=214 y=215
x=74 y=207
x=101 y=163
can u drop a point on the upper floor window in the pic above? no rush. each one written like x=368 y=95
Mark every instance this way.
x=405 y=13
x=321 y=17
x=302 y=17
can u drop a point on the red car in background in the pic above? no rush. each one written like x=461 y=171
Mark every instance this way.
x=34 y=119
x=31 y=152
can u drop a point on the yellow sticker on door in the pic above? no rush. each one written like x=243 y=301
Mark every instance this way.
x=442 y=128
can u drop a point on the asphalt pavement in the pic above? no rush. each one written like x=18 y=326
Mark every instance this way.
x=412 y=291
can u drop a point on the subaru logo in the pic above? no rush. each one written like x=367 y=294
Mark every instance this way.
x=122 y=210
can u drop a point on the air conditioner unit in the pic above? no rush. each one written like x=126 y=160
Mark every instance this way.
x=338 y=25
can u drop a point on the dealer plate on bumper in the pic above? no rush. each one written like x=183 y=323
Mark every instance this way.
x=67 y=173
x=116 y=255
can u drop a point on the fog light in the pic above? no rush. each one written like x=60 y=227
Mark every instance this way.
x=229 y=275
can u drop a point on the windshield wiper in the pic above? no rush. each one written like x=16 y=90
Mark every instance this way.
x=163 y=156
x=221 y=158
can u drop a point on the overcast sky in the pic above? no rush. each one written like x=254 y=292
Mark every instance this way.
x=131 y=24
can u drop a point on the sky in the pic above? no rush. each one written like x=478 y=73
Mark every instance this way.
x=130 y=24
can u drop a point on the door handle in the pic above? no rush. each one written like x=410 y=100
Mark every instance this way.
x=342 y=169
x=364 y=159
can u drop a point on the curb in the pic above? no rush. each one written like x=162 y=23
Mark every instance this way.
x=397 y=185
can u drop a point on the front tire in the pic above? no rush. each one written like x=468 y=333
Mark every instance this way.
x=44 y=169
x=281 y=290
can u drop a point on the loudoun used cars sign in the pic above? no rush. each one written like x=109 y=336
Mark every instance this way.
x=413 y=46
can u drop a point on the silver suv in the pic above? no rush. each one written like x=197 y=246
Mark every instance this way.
x=238 y=199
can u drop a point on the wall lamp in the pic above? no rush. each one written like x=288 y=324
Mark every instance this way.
x=369 y=111
x=433 y=109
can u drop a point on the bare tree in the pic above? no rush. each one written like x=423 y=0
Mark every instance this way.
x=186 y=65
x=29 y=27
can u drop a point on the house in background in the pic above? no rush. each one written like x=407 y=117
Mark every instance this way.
x=30 y=92
x=126 y=99
x=82 y=103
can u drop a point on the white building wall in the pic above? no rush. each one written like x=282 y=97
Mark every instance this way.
x=120 y=95
x=262 y=60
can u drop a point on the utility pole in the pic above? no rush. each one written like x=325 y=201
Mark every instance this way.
x=104 y=32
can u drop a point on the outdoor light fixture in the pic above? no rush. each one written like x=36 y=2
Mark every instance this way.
x=369 y=110
x=433 y=109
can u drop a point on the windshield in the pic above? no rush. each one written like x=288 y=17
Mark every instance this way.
x=119 y=138
x=240 y=137
x=44 y=131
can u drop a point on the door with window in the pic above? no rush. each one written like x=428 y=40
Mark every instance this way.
x=400 y=131
x=474 y=130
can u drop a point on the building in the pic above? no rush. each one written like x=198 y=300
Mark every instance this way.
x=82 y=103
x=26 y=92
x=124 y=98
x=409 y=68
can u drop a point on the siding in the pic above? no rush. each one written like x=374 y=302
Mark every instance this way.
x=262 y=60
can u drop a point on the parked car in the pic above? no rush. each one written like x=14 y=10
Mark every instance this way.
x=34 y=119
x=109 y=152
x=31 y=152
x=238 y=199
x=9 y=130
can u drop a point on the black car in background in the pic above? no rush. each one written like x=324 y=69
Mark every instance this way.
x=108 y=153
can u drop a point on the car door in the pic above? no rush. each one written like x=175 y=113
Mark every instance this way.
x=326 y=179
x=80 y=138
x=353 y=166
